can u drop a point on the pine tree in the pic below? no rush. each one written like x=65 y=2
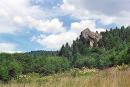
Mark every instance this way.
x=62 y=50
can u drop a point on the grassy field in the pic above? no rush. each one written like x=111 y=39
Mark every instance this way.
x=76 y=78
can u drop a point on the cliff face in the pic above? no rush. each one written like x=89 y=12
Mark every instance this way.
x=90 y=38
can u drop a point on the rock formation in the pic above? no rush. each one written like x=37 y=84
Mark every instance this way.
x=90 y=38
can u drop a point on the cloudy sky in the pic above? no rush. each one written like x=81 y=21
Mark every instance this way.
x=27 y=25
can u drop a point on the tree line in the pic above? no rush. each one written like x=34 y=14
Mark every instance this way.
x=112 y=49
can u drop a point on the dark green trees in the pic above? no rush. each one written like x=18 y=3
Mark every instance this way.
x=115 y=37
x=9 y=67
x=111 y=50
x=55 y=64
x=66 y=51
x=12 y=65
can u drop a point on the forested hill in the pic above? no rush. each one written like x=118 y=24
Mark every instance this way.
x=115 y=38
x=99 y=50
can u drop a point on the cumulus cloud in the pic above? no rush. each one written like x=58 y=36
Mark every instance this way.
x=67 y=7
x=17 y=14
x=109 y=7
x=55 y=41
x=48 y=26
x=108 y=11
x=7 y=47
x=79 y=26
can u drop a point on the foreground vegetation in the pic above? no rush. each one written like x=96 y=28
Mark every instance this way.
x=112 y=77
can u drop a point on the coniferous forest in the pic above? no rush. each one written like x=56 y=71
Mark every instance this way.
x=113 y=49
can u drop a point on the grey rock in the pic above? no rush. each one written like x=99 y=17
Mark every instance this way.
x=90 y=37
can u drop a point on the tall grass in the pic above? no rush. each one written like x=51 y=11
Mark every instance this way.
x=105 y=78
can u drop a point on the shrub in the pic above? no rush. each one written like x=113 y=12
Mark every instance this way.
x=54 y=65
x=7 y=72
x=3 y=73
x=9 y=67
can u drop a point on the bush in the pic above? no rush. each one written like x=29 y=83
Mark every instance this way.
x=9 y=67
x=3 y=73
x=54 y=64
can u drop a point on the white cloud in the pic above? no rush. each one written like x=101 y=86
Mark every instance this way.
x=17 y=13
x=8 y=28
x=55 y=41
x=67 y=6
x=109 y=7
x=79 y=26
x=48 y=26
x=18 y=20
x=7 y=47
x=108 y=12
x=8 y=10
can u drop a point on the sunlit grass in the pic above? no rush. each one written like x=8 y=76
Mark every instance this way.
x=104 y=78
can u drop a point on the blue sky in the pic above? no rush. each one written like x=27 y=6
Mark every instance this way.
x=27 y=25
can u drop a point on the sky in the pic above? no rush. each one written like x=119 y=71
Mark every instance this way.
x=27 y=25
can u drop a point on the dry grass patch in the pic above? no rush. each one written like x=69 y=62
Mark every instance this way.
x=106 y=78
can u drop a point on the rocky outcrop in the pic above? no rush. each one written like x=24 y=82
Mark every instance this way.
x=90 y=38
